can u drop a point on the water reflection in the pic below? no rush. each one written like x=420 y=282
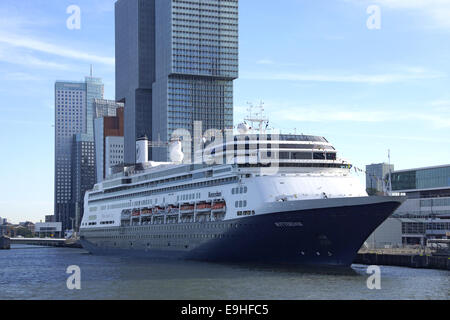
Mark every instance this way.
x=41 y=274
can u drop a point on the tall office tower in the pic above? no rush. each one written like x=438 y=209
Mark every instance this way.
x=135 y=68
x=184 y=56
x=375 y=177
x=83 y=172
x=73 y=115
x=94 y=90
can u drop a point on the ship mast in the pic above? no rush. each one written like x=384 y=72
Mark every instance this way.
x=257 y=120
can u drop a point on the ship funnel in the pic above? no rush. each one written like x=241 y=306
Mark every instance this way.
x=176 y=152
x=142 y=150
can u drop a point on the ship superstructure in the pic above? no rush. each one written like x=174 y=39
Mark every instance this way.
x=260 y=197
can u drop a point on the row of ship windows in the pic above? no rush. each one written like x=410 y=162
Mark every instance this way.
x=239 y=190
x=183 y=236
x=95 y=223
x=246 y=213
x=173 y=228
x=174 y=188
x=240 y=204
x=189 y=196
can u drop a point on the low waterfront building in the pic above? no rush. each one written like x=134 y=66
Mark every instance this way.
x=3 y=230
x=28 y=225
x=426 y=213
x=375 y=177
x=5 y=243
x=48 y=230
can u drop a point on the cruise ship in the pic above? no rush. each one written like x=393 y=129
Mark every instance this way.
x=273 y=199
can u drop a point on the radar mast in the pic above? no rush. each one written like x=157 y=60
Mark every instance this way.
x=256 y=118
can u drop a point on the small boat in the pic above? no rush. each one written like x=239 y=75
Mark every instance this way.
x=219 y=206
x=204 y=207
x=187 y=208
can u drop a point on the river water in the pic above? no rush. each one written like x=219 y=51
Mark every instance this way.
x=40 y=273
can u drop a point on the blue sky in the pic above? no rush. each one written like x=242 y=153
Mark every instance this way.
x=315 y=64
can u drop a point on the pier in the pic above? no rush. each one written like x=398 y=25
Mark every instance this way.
x=424 y=259
x=47 y=242
x=5 y=243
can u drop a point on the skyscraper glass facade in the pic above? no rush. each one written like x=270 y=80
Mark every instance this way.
x=71 y=118
x=94 y=90
x=83 y=172
x=376 y=177
x=426 y=178
x=194 y=45
x=205 y=38
x=106 y=108
x=426 y=212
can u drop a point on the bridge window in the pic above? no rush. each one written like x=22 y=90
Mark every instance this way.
x=284 y=155
x=319 y=156
x=301 y=155
x=331 y=156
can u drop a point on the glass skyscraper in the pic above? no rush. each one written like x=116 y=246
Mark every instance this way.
x=83 y=172
x=176 y=62
x=73 y=115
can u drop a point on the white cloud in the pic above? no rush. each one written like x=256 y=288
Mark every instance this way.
x=20 y=76
x=433 y=115
x=52 y=49
x=16 y=56
x=413 y=74
x=265 y=61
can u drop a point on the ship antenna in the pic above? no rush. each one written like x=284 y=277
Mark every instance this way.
x=257 y=118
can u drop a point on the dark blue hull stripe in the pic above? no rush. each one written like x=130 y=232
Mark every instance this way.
x=329 y=236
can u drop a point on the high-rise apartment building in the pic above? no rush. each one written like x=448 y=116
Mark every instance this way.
x=73 y=115
x=113 y=153
x=108 y=143
x=175 y=64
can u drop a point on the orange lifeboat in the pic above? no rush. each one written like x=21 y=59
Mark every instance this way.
x=187 y=207
x=219 y=205
x=204 y=206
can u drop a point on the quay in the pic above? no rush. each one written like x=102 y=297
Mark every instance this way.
x=46 y=242
x=5 y=243
x=424 y=259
